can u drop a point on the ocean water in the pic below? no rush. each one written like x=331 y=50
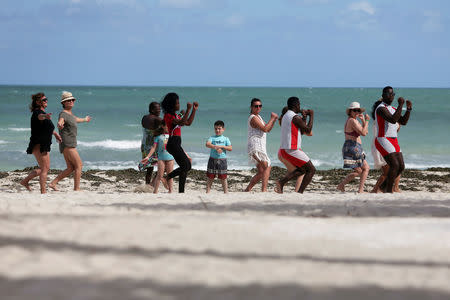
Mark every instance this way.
x=112 y=139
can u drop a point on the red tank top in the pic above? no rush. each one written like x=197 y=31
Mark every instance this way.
x=173 y=129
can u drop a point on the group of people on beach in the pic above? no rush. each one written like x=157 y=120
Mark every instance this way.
x=42 y=129
x=295 y=122
x=161 y=143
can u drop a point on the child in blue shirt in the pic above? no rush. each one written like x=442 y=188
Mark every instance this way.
x=165 y=160
x=217 y=163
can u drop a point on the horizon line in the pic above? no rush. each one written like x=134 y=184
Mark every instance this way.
x=213 y=86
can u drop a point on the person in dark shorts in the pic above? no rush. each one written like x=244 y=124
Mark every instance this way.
x=42 y=129
x=357 y=125
x=217 y=163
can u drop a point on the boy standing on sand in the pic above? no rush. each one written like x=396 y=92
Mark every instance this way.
x=217 y=163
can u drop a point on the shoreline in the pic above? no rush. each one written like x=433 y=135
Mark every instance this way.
x=324 y=181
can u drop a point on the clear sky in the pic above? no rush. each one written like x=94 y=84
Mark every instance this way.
x=300 y=43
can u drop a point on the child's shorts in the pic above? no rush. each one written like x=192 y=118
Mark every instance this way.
x=217 y=166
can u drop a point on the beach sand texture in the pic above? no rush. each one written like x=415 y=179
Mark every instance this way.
x=109 y=242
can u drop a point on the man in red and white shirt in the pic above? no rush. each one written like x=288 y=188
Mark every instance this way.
x=292 y=126
x=386 y=118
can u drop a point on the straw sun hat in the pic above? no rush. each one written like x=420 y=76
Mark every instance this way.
x=66 y=96
x=355 y=105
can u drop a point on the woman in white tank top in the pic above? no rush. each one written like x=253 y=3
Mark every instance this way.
x=256 y=144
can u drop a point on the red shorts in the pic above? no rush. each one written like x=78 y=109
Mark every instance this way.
x=387 y=145
x=296 y=157
x=220 y=176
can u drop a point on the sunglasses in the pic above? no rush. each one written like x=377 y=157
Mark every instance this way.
x=257 y=106
x=356 y=110
x=45 y=99
x=71 y=100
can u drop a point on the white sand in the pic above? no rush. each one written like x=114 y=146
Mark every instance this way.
x=92 y=245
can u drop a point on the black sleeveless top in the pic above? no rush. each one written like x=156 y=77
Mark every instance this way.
x=41 y=132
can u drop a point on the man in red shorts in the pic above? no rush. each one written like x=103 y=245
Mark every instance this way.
x=292 y=125
x=386 y=117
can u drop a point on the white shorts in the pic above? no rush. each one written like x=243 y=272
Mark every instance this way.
x=258 y=156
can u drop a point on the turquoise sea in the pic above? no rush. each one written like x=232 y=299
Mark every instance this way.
x=112 y=139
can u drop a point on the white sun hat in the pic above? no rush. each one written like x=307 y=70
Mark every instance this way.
x=66 y=96
x=355 y=105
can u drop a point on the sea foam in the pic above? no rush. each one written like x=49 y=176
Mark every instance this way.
x=18 y=129
x=112 y=144
x=110 y=165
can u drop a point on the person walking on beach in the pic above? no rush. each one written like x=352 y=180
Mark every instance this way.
x=386 y=138
x=165 y=160
x=290 y=167
x=170 y=106
x=217 y=163
x=352 y=151
x=292 y=125
x=42 y=129
x=149 y=125
x=380 y=163
x=67 y=125
x=256 y=144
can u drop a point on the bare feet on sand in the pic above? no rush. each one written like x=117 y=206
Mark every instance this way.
x=26 y=185
x=53 y=187
x=340 y=188
x=278 y=187
x=164 y=182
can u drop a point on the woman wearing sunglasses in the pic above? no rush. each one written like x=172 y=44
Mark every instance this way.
x=42 y=129
x=354 y=156
x=67 y=125
x=256 y=144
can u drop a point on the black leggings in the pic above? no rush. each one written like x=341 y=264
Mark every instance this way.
x=174 y=148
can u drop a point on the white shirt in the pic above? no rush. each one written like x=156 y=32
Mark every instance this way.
x=256 y=137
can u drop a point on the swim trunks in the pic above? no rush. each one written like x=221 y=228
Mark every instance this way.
x=295 y=156
x=217 y=166
x=387 y=145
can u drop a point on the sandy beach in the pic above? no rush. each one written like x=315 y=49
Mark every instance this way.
x=115 y=240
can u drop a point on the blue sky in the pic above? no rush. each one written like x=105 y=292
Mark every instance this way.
x=301 y=43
